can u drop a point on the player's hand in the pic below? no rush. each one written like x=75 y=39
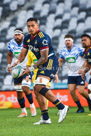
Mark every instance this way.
x=16 y=63
x=80 y=71
x=9 y=68
x=83 y=75
x=26 y=71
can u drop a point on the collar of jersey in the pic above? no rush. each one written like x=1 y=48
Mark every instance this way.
x=86 y=50
x=71 y=48
x=32 y=37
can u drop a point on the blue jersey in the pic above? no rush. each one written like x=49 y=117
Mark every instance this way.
x=87 y=55
x=15 y=48
x=40 y=42
x=73 y=58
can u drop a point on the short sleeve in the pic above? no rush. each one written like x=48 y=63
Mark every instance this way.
x=44 y=43
x=25 y=45
x=81 y=51
x=9 y=47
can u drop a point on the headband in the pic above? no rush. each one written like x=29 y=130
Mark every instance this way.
x=68 y=39
x=18 y=32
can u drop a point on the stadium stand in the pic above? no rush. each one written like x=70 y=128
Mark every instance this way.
x=56 y=17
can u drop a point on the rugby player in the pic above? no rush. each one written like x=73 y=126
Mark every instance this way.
x=72 y=54
x=21 y=84
x=86 y=43
x=40 y=44
x=32 y=60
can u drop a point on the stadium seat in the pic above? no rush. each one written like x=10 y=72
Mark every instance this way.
x=0 y=57
x=2 y=45
x=80 y=29
x=56 y=18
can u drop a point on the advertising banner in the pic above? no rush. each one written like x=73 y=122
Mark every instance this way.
x=62 y=94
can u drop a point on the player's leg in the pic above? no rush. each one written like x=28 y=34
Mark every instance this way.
x=21 y=100
x=44 y=75
x=20 y=97
x=44 y=91
x=72 y=84
x=89 y=88
x=26 y=88
x=81 y=89
x=42 y=101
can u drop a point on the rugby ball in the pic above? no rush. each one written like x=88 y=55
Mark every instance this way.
x=17 y=71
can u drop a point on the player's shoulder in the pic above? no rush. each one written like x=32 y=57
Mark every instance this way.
x=27 y=36
x=79 y=48
x=64 y=49
x=89 y=50
x=42 y=35
x=12 y=42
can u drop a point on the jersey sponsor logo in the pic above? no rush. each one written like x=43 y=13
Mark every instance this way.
x=36 y=42
x=42 y=72
x=28 y=40
x=16 y=54
x=52 y=75
x=35 y=60
x=88 y=54
x=82 y=82
x=71 y=59
x=45 y=42
x=33 y=48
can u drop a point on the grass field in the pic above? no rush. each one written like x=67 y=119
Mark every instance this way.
x=74 y=124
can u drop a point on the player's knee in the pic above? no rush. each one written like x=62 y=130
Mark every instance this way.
x=72 y=92
x=25 y=89
x=19 y=95
x=43 y=91
x=81 y=91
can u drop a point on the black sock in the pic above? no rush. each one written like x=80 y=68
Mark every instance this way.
x=78 y=104
x=88 y=100
x=58 y=104
x=30 y=98
x=45 y=115
x=21 y=102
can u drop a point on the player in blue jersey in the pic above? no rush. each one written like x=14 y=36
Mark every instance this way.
x=21 y=84
x=73 y=57
x=40 y=44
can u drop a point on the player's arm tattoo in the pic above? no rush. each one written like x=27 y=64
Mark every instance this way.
x=43 y=58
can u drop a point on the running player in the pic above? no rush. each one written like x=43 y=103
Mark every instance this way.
x=40 y=44
x=72 y=55
x=21 y=85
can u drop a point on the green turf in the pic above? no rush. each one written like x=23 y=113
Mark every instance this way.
x=74 y=124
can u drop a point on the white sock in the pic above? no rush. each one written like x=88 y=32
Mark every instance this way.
x=24 y=110
x=31 y=105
